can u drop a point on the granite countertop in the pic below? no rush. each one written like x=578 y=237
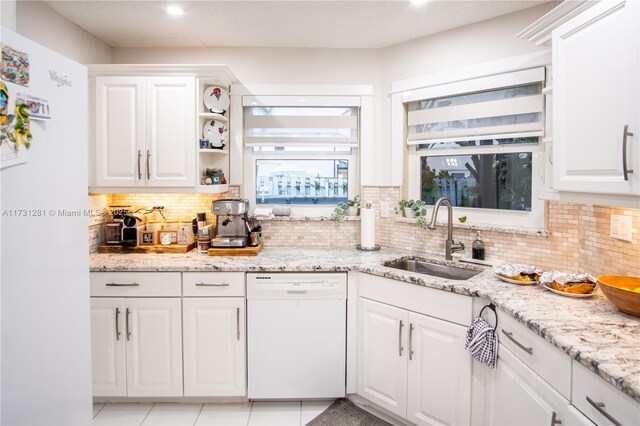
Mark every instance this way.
x=592 y=331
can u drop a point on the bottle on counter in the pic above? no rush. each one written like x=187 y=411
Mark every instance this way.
x=477 y=248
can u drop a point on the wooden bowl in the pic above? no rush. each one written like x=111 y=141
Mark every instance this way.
x=624 y=292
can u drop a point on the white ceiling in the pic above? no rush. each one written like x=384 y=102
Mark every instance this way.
x=272 y=23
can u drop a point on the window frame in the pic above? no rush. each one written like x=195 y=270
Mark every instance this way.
x=320 y=95
x=406 y=167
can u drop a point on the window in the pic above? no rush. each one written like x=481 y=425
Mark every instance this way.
x=301 y=151
x=477 y=143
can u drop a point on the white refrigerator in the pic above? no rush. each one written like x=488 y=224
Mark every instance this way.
x=44 y=288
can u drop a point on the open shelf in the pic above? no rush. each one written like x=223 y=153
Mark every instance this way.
x=213 y=189
x=213 y=151
x=214 y=116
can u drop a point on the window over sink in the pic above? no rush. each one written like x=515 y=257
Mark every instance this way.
x=301 y=150
x=477 y=143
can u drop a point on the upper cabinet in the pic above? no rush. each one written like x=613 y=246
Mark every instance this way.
x=145 y=129
x=147 y=125
x=596 y=116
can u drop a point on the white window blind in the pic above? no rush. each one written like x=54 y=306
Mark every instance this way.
x=295 y=121
x=503 y=106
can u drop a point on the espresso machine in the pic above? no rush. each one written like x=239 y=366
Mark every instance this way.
x=232 y=228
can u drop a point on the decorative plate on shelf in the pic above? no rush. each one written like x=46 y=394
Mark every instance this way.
x=216 y=99
x=216 y=133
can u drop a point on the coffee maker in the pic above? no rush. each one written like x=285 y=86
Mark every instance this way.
x=232 y=228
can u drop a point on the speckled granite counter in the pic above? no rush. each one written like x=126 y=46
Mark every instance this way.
x=592 y=331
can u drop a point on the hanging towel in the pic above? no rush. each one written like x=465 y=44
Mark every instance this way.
x=482 y=340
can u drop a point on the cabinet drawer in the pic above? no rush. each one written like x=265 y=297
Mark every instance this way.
x=229 y=284
x=547 y=361
x=616 y=404
x=135 y=284
x=423 y=300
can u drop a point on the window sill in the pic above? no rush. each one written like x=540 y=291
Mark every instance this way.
x=490 y=228
x=306 y=219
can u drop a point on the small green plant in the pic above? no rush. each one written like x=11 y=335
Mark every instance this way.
x=415 y=208
x=342 y=208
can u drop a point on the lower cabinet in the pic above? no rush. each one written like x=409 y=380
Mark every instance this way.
x=413 y=365
x=136 y=346
x=515 y=395
x=214 y=346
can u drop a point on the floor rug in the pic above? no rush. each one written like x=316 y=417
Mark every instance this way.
x=344 y=413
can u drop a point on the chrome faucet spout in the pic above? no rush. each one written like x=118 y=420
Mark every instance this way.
x=450 y=245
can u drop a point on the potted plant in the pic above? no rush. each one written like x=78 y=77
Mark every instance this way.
x=353 y=206
x=413 y=209
x=346 y=208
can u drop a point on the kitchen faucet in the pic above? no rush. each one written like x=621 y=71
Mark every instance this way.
x=450 y=246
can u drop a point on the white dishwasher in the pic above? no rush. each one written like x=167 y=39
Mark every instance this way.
x=296 y=331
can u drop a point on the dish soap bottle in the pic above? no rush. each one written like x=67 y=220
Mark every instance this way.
x=477 y=248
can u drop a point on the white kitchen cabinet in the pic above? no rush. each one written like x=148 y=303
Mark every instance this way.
x=136 y=334
x=170 y=142
x=154 y=347
x=601 y=401
x=515 y=395
x=382 y=356
x=439 y=380
x=120 y=132
x=136 y=346
x=413 y=365
x=145 y=132
x=108 y=360
x=214 y=346
x=596 y=99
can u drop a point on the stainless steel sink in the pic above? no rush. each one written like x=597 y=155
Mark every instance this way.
x=442 y=271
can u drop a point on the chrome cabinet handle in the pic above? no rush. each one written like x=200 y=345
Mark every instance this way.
x=139 y=171
x=212 y=285
x=555 y=420
x=400 y=348
x=148 y=167
x=410 y=341
x=551 y=155
x=122 y=284
x=625 y=170
x=127 y=323
x=520 y=345
x=117 y=324
x=238 y=322
x=600 y=407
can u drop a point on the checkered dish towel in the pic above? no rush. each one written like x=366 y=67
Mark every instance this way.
x=482 y=342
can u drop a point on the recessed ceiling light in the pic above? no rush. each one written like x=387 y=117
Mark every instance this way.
x=175 y=10
x=418 y=2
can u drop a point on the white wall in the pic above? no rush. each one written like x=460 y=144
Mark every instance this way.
x=35 y=20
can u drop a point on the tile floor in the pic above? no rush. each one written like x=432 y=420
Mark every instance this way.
x=289 y=413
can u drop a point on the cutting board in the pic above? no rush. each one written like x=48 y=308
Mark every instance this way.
x=242 y=251
x=173 y=248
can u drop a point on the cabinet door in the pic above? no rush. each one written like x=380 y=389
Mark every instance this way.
x=154 y=348
x=515 y=395
x=382 y=355
x=595 y=95
x=108 y=347
x=214 y=346
x=120 y=132
x=169 y=157
x=439 y=387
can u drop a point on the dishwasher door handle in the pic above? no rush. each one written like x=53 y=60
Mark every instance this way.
x=296 y=291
